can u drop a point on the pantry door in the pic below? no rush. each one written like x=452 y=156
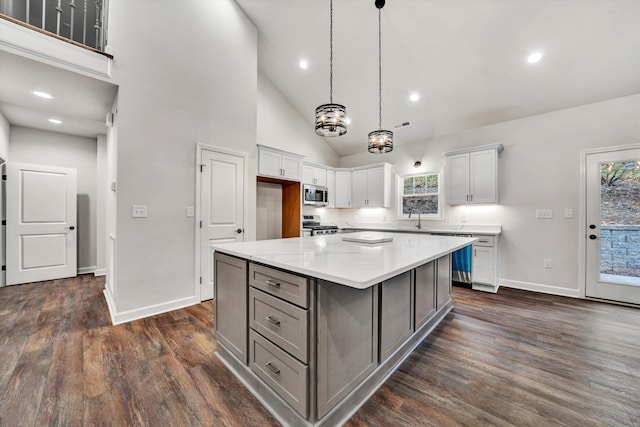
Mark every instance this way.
x=612 y=229
x=41 y=223
x=222 y=207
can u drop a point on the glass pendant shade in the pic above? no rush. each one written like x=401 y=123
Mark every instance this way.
x=331 y=120
x=380 y=141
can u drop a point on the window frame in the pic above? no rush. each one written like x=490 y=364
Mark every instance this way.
x=400 y=196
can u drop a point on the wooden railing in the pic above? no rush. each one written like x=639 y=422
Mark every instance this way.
x=83 y=21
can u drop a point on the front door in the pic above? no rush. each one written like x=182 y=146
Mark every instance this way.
x=613 y=225
x=41 y=221
x=222 y=188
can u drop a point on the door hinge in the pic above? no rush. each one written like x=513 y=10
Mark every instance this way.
x=4 y=222
x=202 y=168
x=201 y=280
x=4 y=177
x=200 y=224
x=4 y=268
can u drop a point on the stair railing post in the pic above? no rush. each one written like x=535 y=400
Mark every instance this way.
x=97 y=26
x=72 y=6
x=84 y=24
x=58 y=16
x=44 y=13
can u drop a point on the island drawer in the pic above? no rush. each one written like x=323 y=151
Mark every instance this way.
x=283 y=374
x=286 y=325
x=484 y=240
x=287 y=286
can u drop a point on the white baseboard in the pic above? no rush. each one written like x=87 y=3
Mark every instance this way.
x=539 y=287
x=100 y=272
x=152 y=310
x=86 y=270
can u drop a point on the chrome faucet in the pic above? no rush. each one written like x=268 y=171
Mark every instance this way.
x=418 y=225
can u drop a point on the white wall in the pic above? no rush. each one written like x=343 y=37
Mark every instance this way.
x=540 y=168
x=281 y=126
x=195 y=82
x=268 y=211
x=57 y=149
x=4 y=138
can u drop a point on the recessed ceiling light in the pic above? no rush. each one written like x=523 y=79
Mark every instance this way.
x=534 y=57
x=303 y=64
x=414 y=97
x=44 y=95
x=55 y=121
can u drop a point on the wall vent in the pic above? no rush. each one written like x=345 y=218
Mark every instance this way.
x=402 y=125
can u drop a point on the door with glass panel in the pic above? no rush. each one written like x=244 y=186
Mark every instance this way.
x=613 y=225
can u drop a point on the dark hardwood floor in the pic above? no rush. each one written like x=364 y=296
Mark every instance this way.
x=514 y=358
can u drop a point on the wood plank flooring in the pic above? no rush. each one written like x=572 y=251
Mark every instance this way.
x=511 y=359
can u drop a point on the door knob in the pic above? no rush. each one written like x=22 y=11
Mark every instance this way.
x=70 y=228
x=592 y=226
x=593 y=237
x=239 y=230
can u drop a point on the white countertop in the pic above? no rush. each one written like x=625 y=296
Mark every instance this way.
x=358 y=265
x=493 y=230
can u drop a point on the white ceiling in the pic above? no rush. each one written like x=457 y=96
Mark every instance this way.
x=466 y=59
x=80 y=102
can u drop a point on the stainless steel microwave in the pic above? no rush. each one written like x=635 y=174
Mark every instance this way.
x=314 y=195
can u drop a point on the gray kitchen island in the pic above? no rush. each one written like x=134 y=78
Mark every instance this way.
x=313 y=326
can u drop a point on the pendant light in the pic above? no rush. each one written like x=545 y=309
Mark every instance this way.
x=331 y=119
x=380 y=141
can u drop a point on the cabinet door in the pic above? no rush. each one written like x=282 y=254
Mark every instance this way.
x=307 y=174
x=320 y=176
x=347 y=337
x=483 y=174
x=231 y=304
x=425 y=293
x=443 y=283
x=375 y=187
x=396 y=313
x=331 y=188
x=360 y=181
x=483 y=262
x=458 y=179
x=269 y=163
x=343 y=189
x=291 y=167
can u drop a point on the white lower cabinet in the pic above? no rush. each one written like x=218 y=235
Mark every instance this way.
x=484 y=271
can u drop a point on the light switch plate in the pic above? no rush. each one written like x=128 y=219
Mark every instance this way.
x=138 y=211
x=568 y=213
x=191 y=212
x=544 y=213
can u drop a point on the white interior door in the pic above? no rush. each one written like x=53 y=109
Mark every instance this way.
x=41 y=221
x=222 y=189
x=613 y=225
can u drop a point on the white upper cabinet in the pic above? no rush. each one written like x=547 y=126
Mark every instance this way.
x=472 y=175
x=314 y=175
x=331 y=188
x=279 y=164
x=371 y=187
x=342 y=190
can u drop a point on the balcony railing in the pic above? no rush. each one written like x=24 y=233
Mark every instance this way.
x=83 y=21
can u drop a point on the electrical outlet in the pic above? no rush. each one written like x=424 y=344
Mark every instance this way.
x=544 y=213
x=191 y=212
x=547 y=263
x=463 y=218
x=138 y=211
x=568 y=213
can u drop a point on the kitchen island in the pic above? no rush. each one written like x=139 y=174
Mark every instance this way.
x=313 y=326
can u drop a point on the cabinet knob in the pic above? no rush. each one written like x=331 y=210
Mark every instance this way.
x=593 y=237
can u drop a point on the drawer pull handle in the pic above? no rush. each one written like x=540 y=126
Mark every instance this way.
x=272 y=368
x=272 y=283
x=483 y=241
x=273 y=320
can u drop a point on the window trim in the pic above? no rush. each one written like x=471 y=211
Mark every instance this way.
x=400 y=196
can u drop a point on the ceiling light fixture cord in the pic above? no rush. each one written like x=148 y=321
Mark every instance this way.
x=379 y=69
x=331 y=52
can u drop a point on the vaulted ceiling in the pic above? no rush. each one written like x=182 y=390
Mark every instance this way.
x=467 y=59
